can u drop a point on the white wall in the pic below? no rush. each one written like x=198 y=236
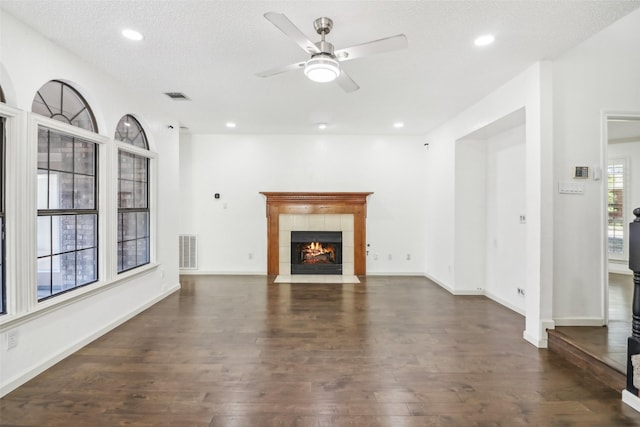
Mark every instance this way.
x=601 y=75
x=506 y=235
x=240 y=166
x=45 y=335
x=490 y=186
x=443 y=240
x=470 y=216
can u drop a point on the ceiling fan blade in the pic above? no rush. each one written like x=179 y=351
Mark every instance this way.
x=290 y=30
x=280 y=70
x=346 y=82
x=388 y=44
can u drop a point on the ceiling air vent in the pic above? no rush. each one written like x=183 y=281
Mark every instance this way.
x=177 y=96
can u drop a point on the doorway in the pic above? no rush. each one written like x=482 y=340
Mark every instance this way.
x=622 y=196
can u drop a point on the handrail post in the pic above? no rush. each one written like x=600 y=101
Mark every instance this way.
x=633 y=342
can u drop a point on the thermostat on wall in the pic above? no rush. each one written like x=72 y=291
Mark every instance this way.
x=581 y=172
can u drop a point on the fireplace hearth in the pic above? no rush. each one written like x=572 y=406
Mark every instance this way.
x=316 y=252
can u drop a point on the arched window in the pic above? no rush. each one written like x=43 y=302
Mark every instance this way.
x=129 y=131
x=67 y=193
x=61 y=102
x=133 y=196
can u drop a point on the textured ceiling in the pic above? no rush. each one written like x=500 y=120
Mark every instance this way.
x=211 y=50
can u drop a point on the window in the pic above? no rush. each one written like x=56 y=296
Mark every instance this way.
x=67 y=231
x=3 y=295
x=61 y=102
x=616 y=220
x=133 y=196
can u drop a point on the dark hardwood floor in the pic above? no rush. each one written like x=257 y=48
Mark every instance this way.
x=242 y=351
x=608 y=343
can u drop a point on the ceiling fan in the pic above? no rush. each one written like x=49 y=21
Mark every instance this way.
x=324 y=64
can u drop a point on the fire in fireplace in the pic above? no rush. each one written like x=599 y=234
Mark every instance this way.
x=316 y=252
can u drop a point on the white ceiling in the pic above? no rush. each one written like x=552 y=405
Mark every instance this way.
x=211 y=50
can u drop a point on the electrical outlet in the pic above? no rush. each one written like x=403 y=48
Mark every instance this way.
x=408 y=257
x=521 y=291
x=250 y=255
x=12 y=339
x=390 y=257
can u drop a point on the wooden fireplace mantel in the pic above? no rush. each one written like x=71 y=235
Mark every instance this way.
x=316 y=203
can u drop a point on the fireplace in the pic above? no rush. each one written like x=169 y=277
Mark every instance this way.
x=287 y=212
x=316 y=252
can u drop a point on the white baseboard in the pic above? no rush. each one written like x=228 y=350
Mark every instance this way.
x=505 y=303
x=450 y=289
x=264 y=273
x=578 y=321
x=393 y=273
x=221 y=273
x=631 y=400
x=37 y=370
x=538 y=342
x=439 y=283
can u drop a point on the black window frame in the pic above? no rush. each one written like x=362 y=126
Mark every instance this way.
x=129 y=131
x=55 y=109
x=69 y=212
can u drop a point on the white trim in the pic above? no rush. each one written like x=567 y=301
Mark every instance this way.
x=505 y=303
x=17 y=382
x=604 y=200
x=631 y=400
x=619 y=268
x=450 y=289
x=543 y=340
x=395 y=273
x=63 y=300
x=38 y=120
x=221 y=273
x=14 y=190
x=579 y=321
x=132 y=149
x=538 y=342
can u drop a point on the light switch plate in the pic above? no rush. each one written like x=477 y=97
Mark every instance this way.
x=569 y=187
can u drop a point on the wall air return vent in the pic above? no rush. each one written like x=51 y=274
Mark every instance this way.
x=177 y=96
x=188 y=252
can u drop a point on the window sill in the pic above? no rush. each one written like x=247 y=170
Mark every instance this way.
x=50 y=305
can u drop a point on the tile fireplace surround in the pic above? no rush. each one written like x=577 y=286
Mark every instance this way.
x=288 y=212
x=316 y=222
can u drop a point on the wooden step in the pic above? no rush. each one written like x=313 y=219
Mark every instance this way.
x=586 y=360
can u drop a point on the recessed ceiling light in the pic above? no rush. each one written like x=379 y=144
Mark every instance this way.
x=230 y=125
x=132 y=34
x=485 y=40
x=322 y=126
x=398 y=125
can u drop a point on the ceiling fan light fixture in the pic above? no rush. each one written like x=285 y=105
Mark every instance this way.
x=322 y=68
